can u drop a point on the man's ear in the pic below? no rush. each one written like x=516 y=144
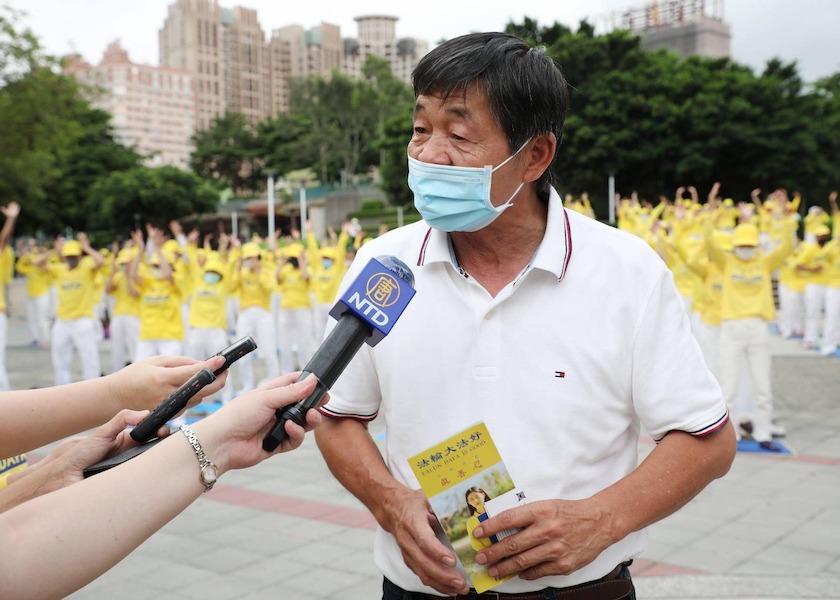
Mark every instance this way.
x=539 y=154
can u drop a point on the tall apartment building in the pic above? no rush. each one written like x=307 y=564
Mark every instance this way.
x=191 y=40
x=225 y=48
x=377 y=37
x=245 y=67
x=236 y=69
x=151 y=107
x=296 y=52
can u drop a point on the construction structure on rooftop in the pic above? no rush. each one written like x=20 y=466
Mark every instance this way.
x=689 y=27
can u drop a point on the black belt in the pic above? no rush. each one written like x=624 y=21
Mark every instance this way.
x=608 y=587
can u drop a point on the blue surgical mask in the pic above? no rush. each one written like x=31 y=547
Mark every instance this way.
x=456 y=198
x=326 y=263
x=212 y=278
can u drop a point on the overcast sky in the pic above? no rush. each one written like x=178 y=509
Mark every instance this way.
x=807 y=31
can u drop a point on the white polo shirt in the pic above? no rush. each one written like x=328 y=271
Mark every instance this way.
x=564 y=365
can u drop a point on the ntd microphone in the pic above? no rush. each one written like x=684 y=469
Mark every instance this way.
x=366 y=313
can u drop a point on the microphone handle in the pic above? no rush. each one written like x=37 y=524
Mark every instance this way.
x=335 y=353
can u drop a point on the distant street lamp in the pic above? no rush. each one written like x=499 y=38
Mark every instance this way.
x=303 y=208
x=270 y=204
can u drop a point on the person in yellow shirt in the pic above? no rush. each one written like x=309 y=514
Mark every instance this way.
x=125 y=311
x=813 y=266
x=746 y=309
x=38 y=284
x=11 y=213
x=177 y=248
x=816 y=218
x=831 y=327
x=792 y=296
x=211 y=287
x=293 y=277
x=254 y=284
x=75 y=326
x=326 y=266
x=159 y=289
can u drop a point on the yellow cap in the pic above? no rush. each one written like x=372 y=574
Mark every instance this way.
x=745 y=235
x=171 y=246
x=822 y=231
x=71 y=248
x=215 y=264
x=126 y=255
x=250 y=250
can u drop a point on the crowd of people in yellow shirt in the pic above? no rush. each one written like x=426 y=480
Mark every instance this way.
x=726 y=259
x=171 y=293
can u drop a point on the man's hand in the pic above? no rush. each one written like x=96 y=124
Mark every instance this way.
x=410 y=519
x=558 y=537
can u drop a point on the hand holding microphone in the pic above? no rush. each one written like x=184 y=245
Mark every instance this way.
x=365 y=313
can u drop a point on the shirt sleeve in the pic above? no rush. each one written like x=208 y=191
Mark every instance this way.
x=673 y=388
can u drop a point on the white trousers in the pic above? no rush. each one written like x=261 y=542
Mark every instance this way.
x=710 y=345
x=81 y=335
x=275 y=319
x=831 y=328
x=814 y=306
x=38 y=317
x=257 y=323
x=149 y=348
x=320 y=317
x=740 y=339
x=204 y=342
x=297 y=333
x=791 y=311
x=125 y=333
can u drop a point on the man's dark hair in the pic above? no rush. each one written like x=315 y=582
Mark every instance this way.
x=525 y=89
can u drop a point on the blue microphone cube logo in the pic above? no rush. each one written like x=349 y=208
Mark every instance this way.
x=377 y=296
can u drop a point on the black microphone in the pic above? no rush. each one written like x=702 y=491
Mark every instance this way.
x=365 y=313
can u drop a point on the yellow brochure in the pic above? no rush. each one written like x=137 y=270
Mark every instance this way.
x=458 y=476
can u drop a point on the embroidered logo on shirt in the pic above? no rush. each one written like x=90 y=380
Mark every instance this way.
x=560 y=374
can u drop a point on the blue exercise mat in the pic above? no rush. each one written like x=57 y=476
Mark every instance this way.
x=753 y=447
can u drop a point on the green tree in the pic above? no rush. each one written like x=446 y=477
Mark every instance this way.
x=54 y=144
x=227 y=152
x=281 y=143
x=126 y=199
x=347 y=117
x=94 y=155
x=657 y=121
x=393 y=169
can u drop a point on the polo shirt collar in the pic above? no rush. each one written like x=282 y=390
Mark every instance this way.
x=553 y=254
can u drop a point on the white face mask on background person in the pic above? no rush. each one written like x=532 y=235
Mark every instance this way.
x=451 y=198
x=746 y=253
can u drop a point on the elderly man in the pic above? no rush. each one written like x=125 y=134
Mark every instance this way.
x=564 y=336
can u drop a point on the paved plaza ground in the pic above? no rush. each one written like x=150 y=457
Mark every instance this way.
x=287 y=530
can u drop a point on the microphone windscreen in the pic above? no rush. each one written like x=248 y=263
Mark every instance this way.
x=398 y=267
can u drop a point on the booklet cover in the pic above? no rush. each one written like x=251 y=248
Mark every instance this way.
x=459 y=475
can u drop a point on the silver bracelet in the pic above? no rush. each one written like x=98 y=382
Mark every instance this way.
x=209 y=472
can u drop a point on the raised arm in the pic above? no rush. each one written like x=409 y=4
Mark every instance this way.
x=11 y=212
x=97 y=257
